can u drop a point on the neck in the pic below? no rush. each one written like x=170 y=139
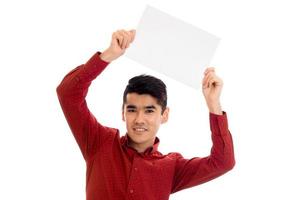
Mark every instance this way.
x=140 y=147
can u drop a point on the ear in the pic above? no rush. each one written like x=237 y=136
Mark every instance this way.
x=165 y=115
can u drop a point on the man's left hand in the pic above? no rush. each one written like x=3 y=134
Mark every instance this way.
x=211 y=88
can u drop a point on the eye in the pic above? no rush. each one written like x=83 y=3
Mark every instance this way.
x=149 y=111
x=130 y=110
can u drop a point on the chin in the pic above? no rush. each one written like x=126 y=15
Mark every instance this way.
x=138 y=138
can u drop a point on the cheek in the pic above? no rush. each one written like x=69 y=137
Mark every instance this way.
x=129 y=120
x=155 y=121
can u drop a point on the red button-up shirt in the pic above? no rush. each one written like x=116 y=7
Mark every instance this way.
x=116 y=171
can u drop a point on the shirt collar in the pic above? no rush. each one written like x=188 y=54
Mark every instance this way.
x=148 y=151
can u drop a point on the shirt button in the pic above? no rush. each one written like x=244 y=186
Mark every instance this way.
x=135 y=169
x=131 y=191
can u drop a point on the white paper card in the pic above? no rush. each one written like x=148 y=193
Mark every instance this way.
x=172 y=47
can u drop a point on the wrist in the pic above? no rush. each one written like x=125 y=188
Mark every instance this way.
x=106 y=56
x=215 y=108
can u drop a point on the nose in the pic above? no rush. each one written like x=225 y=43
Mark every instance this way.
x=139 y=119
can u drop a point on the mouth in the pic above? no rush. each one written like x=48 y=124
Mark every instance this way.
x=140 y=129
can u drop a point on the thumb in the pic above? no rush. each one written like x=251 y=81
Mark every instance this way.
x=115 y=41
x=133 y=31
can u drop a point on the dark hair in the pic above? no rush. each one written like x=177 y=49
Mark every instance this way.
x=146 y=84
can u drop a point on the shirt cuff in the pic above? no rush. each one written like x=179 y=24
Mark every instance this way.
x=96 y=61
x=219 y=123
x=103 y=61
x=92 y=68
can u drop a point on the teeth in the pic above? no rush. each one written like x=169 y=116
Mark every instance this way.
x=140 y=129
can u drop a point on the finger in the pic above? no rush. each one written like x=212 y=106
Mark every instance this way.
x=209 y=74
x=115 y=38
x=209 y=69
x=204 y=81
x=219 y=81
x=123 y=35
x=133 y=31
x=125 y=40
x=210 y=80
x=129 y=38
x=130 y=34
x=214 y=81
x=206 y=78
x=120 y=38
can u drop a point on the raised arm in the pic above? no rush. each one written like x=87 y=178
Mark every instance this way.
x=72 y=92
x=195 y=171
x=192 y=172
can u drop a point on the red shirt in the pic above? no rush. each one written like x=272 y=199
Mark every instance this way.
x=116 y=171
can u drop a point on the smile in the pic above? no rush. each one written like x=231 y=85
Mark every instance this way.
x=139 y=129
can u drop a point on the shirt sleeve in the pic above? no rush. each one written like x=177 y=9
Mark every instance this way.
x=71 y=92
x=195 y=171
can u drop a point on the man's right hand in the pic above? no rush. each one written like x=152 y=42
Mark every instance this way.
x=120 y=41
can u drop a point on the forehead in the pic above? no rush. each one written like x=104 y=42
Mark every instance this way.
x=140 y=100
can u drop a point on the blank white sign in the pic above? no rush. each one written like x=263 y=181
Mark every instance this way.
x=172 y=47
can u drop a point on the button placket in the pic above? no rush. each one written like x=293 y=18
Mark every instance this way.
x=133 y=176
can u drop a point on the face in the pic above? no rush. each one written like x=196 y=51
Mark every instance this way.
x=143 y=117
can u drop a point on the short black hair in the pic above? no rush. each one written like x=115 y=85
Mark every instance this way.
x=147 y=84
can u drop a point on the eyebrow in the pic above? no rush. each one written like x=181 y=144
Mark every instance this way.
x=150 y=107
x=130 y=106
x=146 y=107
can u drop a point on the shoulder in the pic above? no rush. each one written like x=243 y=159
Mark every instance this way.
x=174 y=155
x=108 y=134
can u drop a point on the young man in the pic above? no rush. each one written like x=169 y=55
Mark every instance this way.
x=130 y=166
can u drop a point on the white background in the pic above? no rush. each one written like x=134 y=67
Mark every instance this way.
x=258 y=59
